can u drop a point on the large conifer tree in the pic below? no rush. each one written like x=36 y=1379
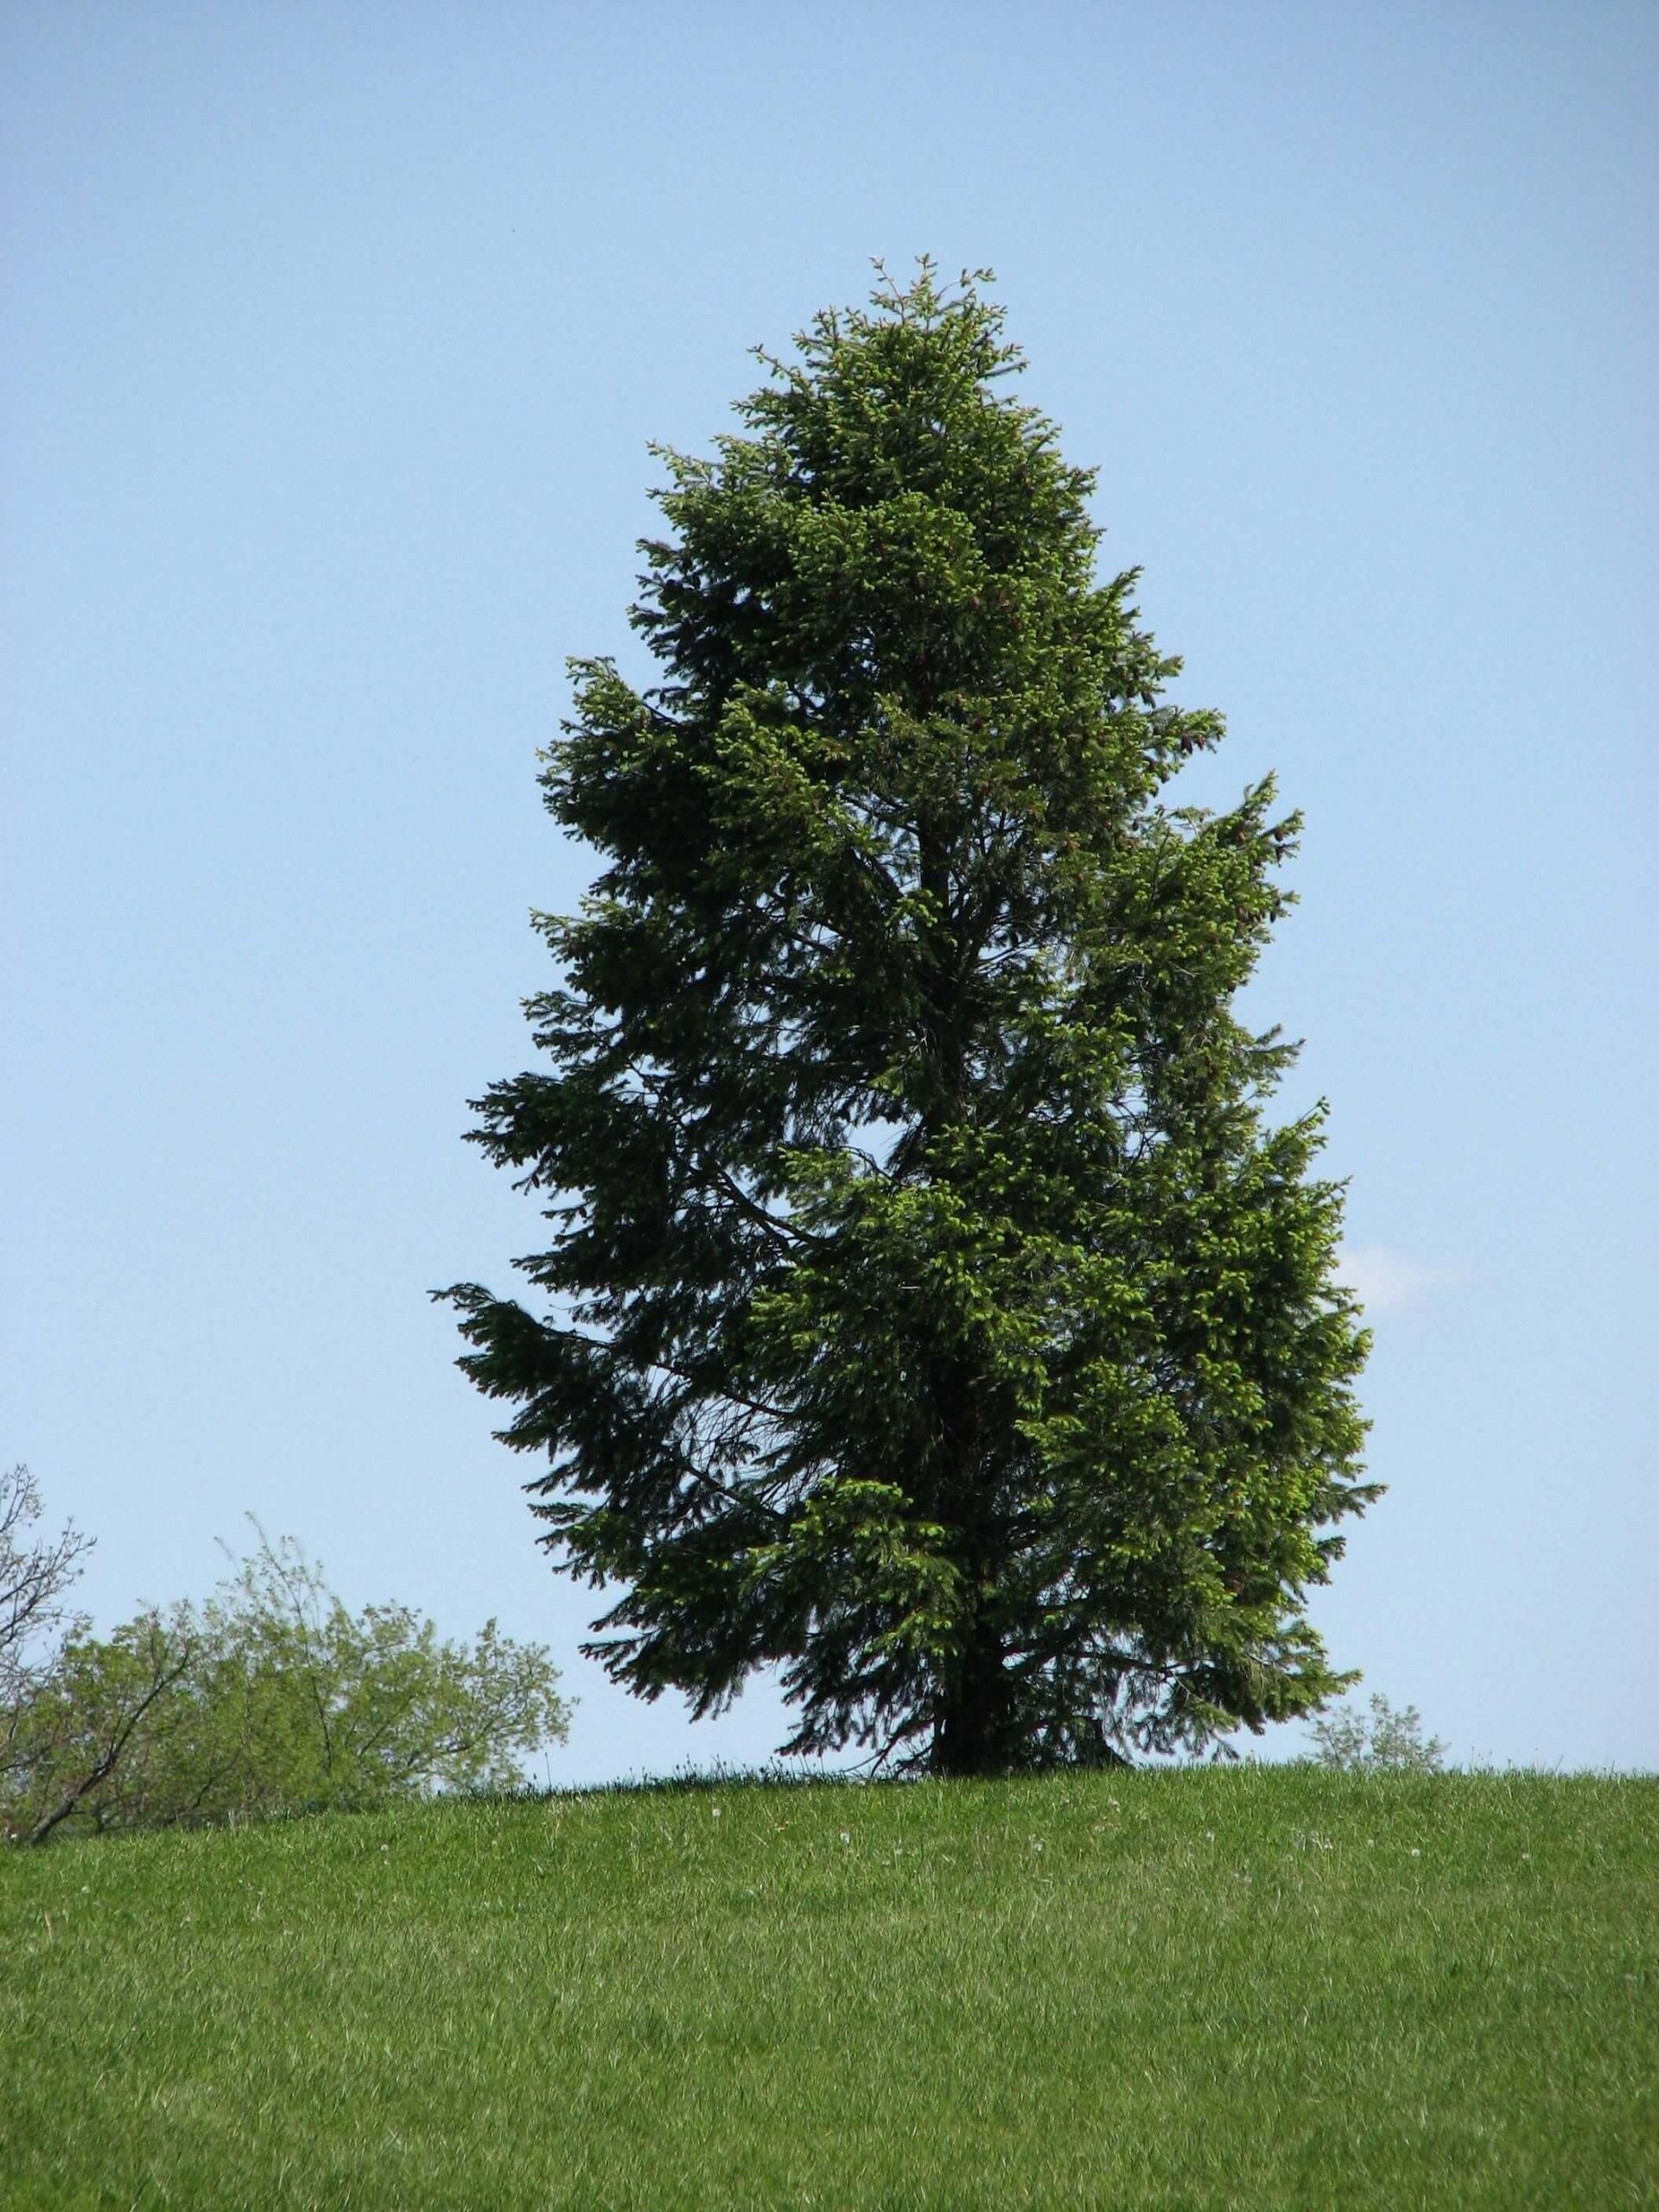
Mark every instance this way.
x=929 y=1307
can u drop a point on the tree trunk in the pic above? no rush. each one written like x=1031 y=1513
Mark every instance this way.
x=971 y=1735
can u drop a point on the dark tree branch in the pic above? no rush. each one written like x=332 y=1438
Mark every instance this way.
x=104 y=1766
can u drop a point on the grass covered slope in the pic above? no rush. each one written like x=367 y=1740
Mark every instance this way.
x=1249 y=1988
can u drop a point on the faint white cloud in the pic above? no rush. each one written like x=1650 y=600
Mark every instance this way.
x=1384 y=1280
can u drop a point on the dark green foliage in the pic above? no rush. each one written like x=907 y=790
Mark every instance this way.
x=931 y=1308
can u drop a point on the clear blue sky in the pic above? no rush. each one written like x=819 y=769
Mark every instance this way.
x=334 y=336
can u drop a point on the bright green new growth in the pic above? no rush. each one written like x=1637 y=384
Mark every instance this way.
x=932 y=1311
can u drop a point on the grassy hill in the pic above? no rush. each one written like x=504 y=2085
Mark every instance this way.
x=1253 y=1989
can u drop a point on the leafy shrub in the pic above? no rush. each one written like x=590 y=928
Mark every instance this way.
x=271 y=1698
x=1382 y=1742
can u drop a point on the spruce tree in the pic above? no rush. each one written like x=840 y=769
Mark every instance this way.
x=931 y=1308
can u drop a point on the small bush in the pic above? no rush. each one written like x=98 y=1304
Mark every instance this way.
x=1384 y=1741
x=271 y=1698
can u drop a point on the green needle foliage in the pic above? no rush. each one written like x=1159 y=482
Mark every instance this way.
x=931 y=1309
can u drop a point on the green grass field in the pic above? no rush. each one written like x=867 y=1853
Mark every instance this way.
x=1254 y=1987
